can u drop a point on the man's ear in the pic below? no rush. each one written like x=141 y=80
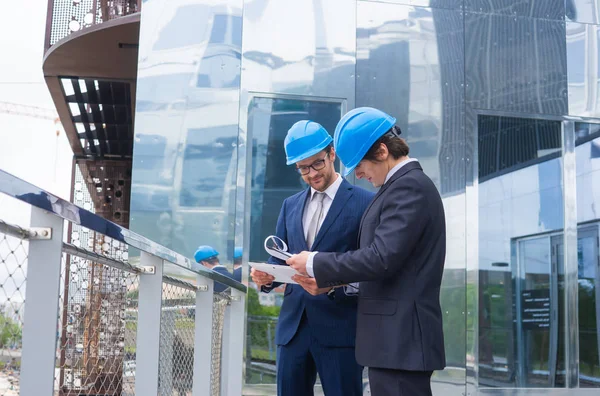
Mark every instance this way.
x=383 y=152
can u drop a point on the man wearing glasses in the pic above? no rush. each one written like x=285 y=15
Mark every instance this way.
x=316 y=334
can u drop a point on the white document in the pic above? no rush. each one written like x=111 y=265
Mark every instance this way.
x=282 y=273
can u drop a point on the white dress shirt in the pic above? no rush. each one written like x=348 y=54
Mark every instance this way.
x=311 y=206
x=309 y=261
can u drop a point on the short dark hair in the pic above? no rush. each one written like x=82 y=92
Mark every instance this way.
x=396 y=146
x=212 y=260
x=328 y=148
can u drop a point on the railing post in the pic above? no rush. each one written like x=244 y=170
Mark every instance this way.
x=203 y=338
x=233 y=346
x=41 y=307
x=148 y=327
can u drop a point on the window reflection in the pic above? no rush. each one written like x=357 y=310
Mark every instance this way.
x=272 y=181
x=214 y=158
x=522 y=325
x=520 y=210
x=587 y=153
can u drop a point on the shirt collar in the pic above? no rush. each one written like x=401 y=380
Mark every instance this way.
x=397 y=168
x=331 y=190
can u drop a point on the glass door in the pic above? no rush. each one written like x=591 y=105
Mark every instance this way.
x=537 y=309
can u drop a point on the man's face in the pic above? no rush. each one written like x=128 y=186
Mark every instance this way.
x=325 y=175
x=374 y=172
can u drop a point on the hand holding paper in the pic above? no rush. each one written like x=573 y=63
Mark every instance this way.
x=310 y=285
x=277 y=248
x=281 y=273
x=261 y=278
x=298 y=262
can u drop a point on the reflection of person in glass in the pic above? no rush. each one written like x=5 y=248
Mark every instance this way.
x=209 y=257
x=237 y=264
x=317 y=333
x=400 y=262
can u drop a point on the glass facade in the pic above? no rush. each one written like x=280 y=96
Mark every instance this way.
x=498 y=99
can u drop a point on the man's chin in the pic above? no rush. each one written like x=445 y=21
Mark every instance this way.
x=318 y=185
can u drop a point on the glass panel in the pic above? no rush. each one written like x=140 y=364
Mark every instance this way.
x=186 y=129
x=589 y=315
x=272 y=181
x=496 y=338
x=587 y=153
x=520 y=213
x=536 y=309
x=558 y=265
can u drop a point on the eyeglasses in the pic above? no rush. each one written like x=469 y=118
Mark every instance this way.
x=317 y=166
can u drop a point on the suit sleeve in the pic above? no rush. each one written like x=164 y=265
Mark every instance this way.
x=403 y=218
x=280 y=232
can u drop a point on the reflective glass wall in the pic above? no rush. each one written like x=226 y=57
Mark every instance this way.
x=186 y=139
x=498 y=99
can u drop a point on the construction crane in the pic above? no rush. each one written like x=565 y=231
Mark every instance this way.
x=31 y=111
x=28 y=111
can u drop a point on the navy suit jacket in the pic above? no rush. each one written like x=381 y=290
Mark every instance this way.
x=219 y=287
x=237 y=274
x=332 y=321
x=399 y=264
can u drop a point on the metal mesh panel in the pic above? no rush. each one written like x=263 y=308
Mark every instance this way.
x=97 y=322
x=219 y=305
x=13 y=270
x=70 y=16
x=177 y=340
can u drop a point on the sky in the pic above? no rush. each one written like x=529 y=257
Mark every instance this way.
x=29 y=147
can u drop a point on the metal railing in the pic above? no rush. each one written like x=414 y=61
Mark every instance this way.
x=68 y=16
x=83 y=317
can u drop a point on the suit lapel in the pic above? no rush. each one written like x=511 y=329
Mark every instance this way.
x=297 y=221
x=401 y=172
x=342 y=196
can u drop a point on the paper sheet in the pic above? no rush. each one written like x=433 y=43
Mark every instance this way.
x=282 y=273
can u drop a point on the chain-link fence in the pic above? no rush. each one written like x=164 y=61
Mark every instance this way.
x=220 y=302
x=13 y=270
x=177 y=330
x=97 y=319
x=96 y=326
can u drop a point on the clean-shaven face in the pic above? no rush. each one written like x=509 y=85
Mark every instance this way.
x=374 y=172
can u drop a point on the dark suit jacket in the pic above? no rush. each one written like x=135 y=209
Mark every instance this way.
x=400 y=261
x=219 y=287
x=333 y=322
x=237 y=274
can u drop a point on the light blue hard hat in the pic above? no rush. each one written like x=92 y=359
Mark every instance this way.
x=305 y=139
x=237 y=252
x=356 y=132
x=204 y=253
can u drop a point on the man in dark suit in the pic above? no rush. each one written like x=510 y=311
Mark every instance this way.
x=399 y=263
x=208 y=257
x=316 y=334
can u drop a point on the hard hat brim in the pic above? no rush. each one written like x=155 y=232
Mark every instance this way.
x=320 y=147
x=349 y=170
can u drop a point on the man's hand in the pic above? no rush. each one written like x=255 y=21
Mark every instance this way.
x=298 y=262
x=261 y=278
x=310 y=285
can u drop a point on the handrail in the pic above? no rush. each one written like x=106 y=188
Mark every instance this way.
x=35 y=196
